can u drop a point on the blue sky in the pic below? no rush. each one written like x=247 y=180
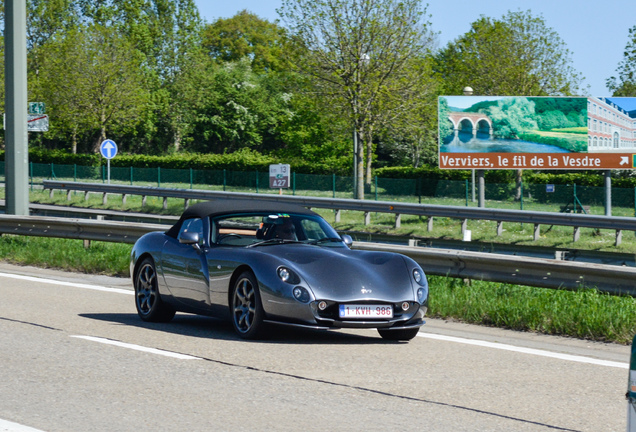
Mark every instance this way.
x=594 y=32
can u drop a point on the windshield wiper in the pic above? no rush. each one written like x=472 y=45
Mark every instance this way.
x=325 y=240
x=271 y=242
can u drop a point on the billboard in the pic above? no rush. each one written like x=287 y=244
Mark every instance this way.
x=515 y=132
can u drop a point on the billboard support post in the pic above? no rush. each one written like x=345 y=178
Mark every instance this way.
x=482 y=188
x=608 y=192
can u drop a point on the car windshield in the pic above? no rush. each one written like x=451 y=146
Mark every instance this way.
x=256 y=229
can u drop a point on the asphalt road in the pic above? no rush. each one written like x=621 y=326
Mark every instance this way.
x=78 y=359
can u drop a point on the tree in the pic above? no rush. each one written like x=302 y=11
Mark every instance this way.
x=625 y=84
x=235 y=108
x=168 y=35
x=247 y=35
x=515 y=55
x=353 y=51
x=94 y=82
x=408 y=115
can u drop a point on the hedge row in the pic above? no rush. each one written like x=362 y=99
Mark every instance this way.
x=248 y=160
x=244 y=160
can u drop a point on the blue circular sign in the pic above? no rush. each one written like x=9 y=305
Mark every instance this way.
x=108 y=149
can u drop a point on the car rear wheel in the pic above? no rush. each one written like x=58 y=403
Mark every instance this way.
x=150 y=307
x=399 y=335
x=247 y=309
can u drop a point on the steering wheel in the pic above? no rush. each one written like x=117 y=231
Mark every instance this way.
x=225 y=236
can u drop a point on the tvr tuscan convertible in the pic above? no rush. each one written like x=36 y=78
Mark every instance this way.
x=259 y=263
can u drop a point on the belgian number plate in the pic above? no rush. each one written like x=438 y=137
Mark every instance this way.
x=366 y=311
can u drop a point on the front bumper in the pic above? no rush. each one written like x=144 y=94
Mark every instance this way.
x=329 y=319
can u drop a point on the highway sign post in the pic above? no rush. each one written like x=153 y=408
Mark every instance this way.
x=37 y=108
x=279 y=176
x=540 y=133
x=37 y=123
x=108 y=149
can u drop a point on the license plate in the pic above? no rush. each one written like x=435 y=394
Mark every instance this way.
x=366 y=311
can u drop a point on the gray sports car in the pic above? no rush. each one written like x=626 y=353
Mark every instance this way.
x=258 y=262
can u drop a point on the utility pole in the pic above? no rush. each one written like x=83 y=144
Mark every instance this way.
x=16 y=135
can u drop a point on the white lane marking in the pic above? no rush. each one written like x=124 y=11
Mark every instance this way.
x=68 y=284
x=531 y=351
x=7 y=426
x=138 y=348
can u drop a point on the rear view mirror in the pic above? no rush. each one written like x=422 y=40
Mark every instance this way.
x=190 y=238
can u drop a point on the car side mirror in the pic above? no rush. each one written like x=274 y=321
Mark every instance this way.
x=346 y=238
x=190 y=238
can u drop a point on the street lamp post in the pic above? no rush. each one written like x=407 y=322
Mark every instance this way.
x=16 y=135
x=468 y=91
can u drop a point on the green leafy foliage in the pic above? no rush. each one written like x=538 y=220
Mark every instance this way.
x=625 y=83
x=245 y=35
x=517 y=54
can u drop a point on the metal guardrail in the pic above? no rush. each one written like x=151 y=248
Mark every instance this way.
x=577 y=221
x=82 y=229
x=530 y=271
x=547 y=252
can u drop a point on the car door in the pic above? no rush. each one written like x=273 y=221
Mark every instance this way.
x=185 y=268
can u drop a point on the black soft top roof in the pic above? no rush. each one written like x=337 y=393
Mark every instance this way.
x=221 y=207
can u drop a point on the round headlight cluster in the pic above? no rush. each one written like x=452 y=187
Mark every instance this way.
x=284 y=274
x=417 y=275
x=287 y=275
x=421 y=292
x=301 y=294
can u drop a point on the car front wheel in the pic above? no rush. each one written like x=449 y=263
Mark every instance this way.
x=246 y=306
x=150 y=307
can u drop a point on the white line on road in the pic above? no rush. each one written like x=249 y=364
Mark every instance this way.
x=531 y=351
x=68 y=284
x=7 y=426
x=138 y=348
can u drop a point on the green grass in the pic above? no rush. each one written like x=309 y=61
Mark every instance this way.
x=66 y=254
x=584 y=314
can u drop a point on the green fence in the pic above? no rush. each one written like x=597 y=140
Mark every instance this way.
x=539 y=197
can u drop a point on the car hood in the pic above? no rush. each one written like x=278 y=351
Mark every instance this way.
x=342 y=274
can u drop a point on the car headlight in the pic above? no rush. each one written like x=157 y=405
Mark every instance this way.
x=421 y=294
x=287 y=275
x=417 y=275
x=284 y=274
x=301 y=294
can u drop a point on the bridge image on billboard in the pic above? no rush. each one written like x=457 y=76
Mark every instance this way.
x=515 y=132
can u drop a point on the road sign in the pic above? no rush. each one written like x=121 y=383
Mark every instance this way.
x=279 y=176
x=37 y=123
x=37 y=108
x=108 y=149
x=517 y=132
